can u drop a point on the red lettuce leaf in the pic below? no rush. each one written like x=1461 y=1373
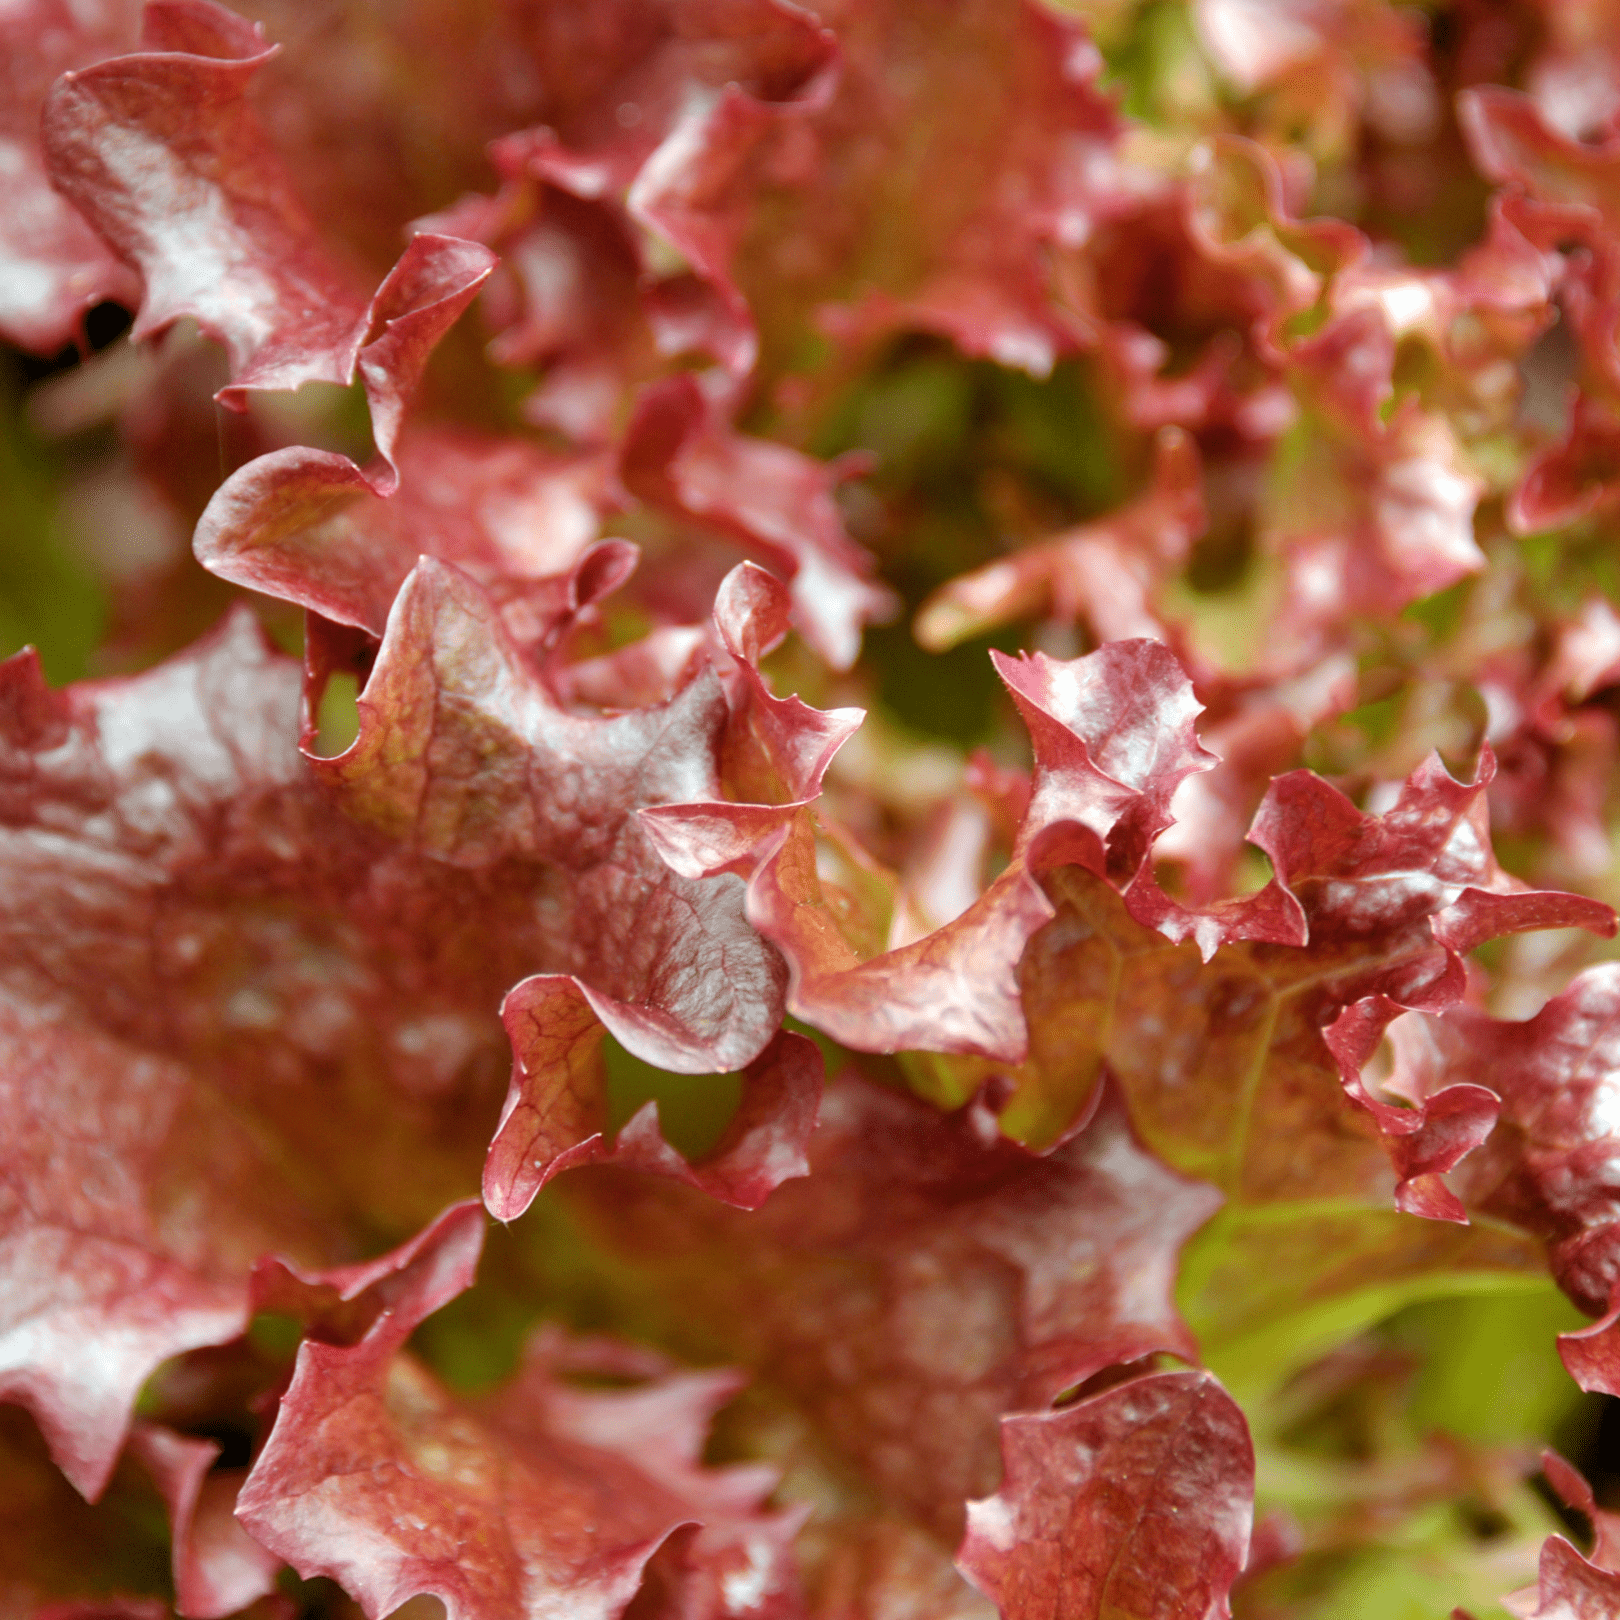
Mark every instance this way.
x=1572 y=1587
x=218 y=1568
x=1137 y=1501
x=214 y=984
x=465 y=756
x=1113 y=738
x=163 y=152
x=53 y=267
x=619 y=216
x=556 y=1109
x=1106 y=573
x=988 y=136
x=307 y=526
x=680 y=453
x=775 y=752
x=1550 y=1165
x=925 y=1278
x=340 y=1304
x=540 y=1496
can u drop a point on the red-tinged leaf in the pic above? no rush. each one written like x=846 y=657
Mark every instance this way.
x=218 y=1568
x=1113 y=738
x=1513 y=143
x=538 y=1499
x=864 y=1566
x=53 y=266
x=307 y=526
x=1592 y=1355
x=1244 y=220
x=618 y=214
x=680 y=453
x=1420 y=887
x=1550 y=1166
x=1575 y=1493
x=339 y=1304
x=640 y=674
x=985 y=132
x=100 y=1286
x=1428 y=856
x=1106 y=573
x=1573 y=480
x=775 y=751
x=1570 y=1588
x=1159 y=280
x=1245 y=1033
x=1114 y=741
x=162 y=151
x=421 y=298
x=465 y=756
x=555 y=1112
x=214 y=985
x=1138 y=1501
x=1377 y=510
x=1258 y=46
x=1255 y=731
x=923 y=1279
x=954 y=990
x=1426 y=1141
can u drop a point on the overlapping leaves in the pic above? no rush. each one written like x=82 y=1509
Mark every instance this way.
x=259 y=1005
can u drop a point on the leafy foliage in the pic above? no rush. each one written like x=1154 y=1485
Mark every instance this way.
x=578 y=481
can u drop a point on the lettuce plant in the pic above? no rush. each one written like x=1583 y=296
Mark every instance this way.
x=812 y=818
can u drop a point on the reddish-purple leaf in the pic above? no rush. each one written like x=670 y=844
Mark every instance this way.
x=162 y=151
x=1426 y=1141
x=339 y=1304
x=680 y=453
x=775 y=751
x=926 y=1277
x=1576 y=1493
x=618 y=216
x=1550 y=1166
x=218 y=1568
x=1137 y=1501
x=465 y=756
x=306 y=525
x=542 y=1497
x=997 y=168
x=53 y=266
x=556 y=1110
x=1570 y=1588
x=213 y=986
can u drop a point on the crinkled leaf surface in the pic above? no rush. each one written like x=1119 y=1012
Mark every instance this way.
x=162 y=151
x=215 y=984
x=1549 y=1167
x=305 y=525
x=211 y=980
x=1098 y=988
x=538 y=1499
x=1137 y=1501
x=680 y=453
x=465 y=755
x=924 y=1278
